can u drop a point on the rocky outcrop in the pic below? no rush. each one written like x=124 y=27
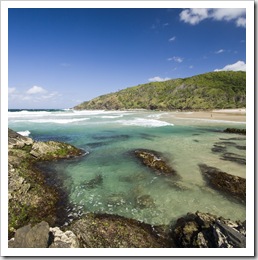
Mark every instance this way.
x=31 y=237
x=235 y=131
x=43 y=236
x=30 y=199
x=195 y=230
x=232 y=185
x=52 y=150
x=154 y=161
x=204 y=230
x=104 y=230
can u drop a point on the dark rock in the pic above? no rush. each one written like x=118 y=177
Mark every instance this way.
x=116 y=199
x=226 y=143
x=218 y=149
x=112 y=137
x=204 y=230
x=232 y=185
x=233 y=158
x=97 y=144
x=235 y=131
x=241 y=147
x=145 y=201
x=154 y=161
x=233 y=139
x=93 y=183
x=104 y=230
x=32 y=237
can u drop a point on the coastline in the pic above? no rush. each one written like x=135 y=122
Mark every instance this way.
x=228 y=115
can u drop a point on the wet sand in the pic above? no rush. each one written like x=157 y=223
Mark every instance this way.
x=235 y=115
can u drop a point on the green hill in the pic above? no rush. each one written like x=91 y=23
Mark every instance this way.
x=213 y=90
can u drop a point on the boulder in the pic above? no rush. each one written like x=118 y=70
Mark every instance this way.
x=54 y=150
x=31 y=198
x=62 y=239
x=204 y=230
x=31 y=237
x=154 y=161
x=104 y=230
x=232 y=185
x=16 y=140
x=43 y=236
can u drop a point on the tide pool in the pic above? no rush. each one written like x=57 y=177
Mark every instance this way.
x=109 y=179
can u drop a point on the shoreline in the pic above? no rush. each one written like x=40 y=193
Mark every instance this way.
x=227 y=115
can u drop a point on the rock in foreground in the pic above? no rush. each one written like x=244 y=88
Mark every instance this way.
x=222 y=181
x=30 y=199
x=43 y=236
x=111 y=231
x=204 y=230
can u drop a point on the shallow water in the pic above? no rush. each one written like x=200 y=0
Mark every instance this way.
x=110 y=179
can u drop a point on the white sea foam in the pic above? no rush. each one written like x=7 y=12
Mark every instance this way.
x=58 y=121
x=112 y=116
x=25 y=113
x=24 y=133
x=157 y=115
x=144 y=122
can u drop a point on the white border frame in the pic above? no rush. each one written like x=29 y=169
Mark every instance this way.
x=249 y=250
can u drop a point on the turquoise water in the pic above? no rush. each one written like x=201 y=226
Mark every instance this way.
x=109 y=179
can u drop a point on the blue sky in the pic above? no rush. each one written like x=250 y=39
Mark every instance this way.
x=58 y=58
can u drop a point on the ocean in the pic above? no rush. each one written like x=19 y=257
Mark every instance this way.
x=109 y=179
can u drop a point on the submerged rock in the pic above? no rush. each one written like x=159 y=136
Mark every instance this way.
x=235 y=131
x=204 y=230
x=233 y=158
x=232 y=185
x=145 y=201
x=218 y=148
x=154 y=161
x=104 y=230
x=93 y=183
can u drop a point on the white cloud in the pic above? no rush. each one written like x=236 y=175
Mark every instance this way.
x=239 y=65
x=241 y=22
x=219 y=51
x=227 y=14
x=194 y=16
x=34 y=97
x=35 y=90
x=172 y=39
x=191 y=67
x=158 y=79
x=176 y=59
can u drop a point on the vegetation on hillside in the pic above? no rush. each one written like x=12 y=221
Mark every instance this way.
x=213 y=90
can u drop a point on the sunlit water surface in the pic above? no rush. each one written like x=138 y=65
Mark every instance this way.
x=109 y=179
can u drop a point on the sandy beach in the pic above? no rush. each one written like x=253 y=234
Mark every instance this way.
x=235 y=115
